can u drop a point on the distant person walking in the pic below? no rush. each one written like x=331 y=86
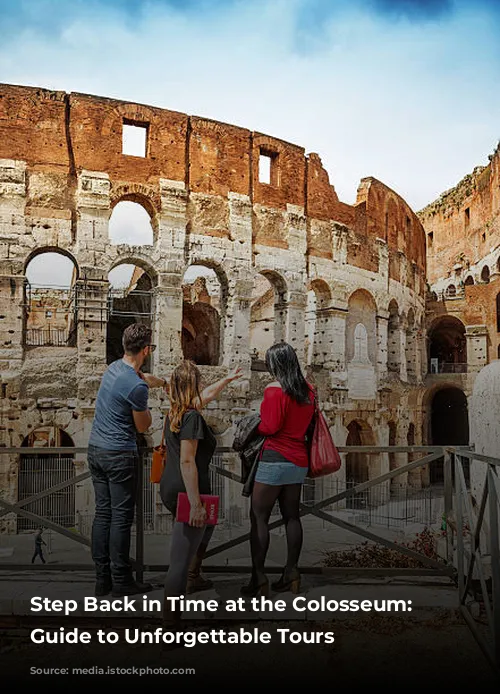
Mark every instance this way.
x=39 y=541
x=121 y=412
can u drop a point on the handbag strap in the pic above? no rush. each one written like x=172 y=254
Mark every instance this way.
x=163 y=431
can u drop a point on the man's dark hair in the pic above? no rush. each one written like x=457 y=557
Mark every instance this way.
x=136 y=337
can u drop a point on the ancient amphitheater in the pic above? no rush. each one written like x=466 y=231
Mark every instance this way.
x=281 y=257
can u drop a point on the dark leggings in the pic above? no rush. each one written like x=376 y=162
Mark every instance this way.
x=264 y=497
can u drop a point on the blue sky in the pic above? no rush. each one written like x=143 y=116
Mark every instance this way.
x=407 y=91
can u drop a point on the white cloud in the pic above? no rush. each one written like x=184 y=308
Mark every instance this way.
x=415 y=105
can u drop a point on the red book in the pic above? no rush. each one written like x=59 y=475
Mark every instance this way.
x=211 y=504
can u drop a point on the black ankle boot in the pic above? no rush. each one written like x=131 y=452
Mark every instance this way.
x=289 y=580
x=256 y=588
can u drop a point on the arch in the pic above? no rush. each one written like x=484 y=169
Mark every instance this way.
x=322 y=291
x=130 y=300
x=52 y=249
x=449 y=425
x=131 y=223
x=359 y=433
x=143 y=195
x=317 y=334
x=447 y=345
x=469 y=281
x=205 y=291
x=39 y=471
x=451 y=291
x=485 y=274
x=49 y=306
x=361 y=308
x=268 y=314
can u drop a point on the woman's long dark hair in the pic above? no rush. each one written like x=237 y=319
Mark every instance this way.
x=283 y=364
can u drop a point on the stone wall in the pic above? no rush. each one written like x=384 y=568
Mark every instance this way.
x=62 y=171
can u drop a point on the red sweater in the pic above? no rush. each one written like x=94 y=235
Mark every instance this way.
x=284 y=422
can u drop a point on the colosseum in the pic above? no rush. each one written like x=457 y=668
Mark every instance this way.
x=242 y=242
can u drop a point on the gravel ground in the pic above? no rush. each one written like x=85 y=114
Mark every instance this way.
x=392 y=650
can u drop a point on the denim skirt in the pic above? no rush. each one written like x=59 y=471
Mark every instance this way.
x=277 y=473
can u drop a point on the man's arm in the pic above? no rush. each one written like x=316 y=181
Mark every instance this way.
x=154 y=381
x=138 y=399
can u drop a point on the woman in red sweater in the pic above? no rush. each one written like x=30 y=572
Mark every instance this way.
x=286 y=413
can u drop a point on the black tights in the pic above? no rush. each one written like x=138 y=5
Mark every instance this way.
x=264 y=497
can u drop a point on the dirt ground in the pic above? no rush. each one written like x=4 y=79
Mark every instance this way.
x=392 y=650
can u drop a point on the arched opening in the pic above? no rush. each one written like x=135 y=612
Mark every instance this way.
x=498 y=312
x=318 y=344
x=485 y=274
x=451 y=291
x=39 y=471
x=469 y=281
x=49 y=300
x=267 y=316
x=449 y=426
x=393 y=339
x=447 y=346
x=358 y=464
x=203 y=311
x=130 y=301
x=130 y=223
x=361 y=310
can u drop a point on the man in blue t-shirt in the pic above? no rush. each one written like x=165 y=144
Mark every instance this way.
x=121 y=412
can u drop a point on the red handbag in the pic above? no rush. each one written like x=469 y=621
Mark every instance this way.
x=324 y=457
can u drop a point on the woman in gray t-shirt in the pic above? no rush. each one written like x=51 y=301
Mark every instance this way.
x=190 y=446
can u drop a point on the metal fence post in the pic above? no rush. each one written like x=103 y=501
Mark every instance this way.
x=495 y=562
x=460 y=536
x=448 y=504
x=139 y=521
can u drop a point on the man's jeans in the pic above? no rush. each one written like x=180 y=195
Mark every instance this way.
x=114 y=475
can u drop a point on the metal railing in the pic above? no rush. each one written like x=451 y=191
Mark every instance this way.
x=472 y=542
x=449 y=368
x=49 y=337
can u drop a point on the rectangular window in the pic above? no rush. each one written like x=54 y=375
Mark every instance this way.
x=408 y=227
x=467 y=216
x=430 y=238
x=264 y=168
x=134 y=138
x=268 y=167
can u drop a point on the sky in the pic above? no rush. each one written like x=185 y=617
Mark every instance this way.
x=403 y=90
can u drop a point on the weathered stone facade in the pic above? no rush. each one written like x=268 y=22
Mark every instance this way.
x=463 y=256
x=62 y=172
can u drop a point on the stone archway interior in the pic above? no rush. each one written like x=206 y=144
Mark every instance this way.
x=447 y=344
x=39 y=470
x=449 y=426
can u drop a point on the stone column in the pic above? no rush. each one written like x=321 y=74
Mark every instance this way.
x=237 y=328
x=12 y=232
x=477 y=347
x=295 y=329
x=403 y=370
x=167 y=296
x=93 y=210
x=382 y=336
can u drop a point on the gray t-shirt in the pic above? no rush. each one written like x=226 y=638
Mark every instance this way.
x=121 y=392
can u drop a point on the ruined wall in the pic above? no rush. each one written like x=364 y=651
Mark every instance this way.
x=62 y=172
x=463 y=259
x=463 y=226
